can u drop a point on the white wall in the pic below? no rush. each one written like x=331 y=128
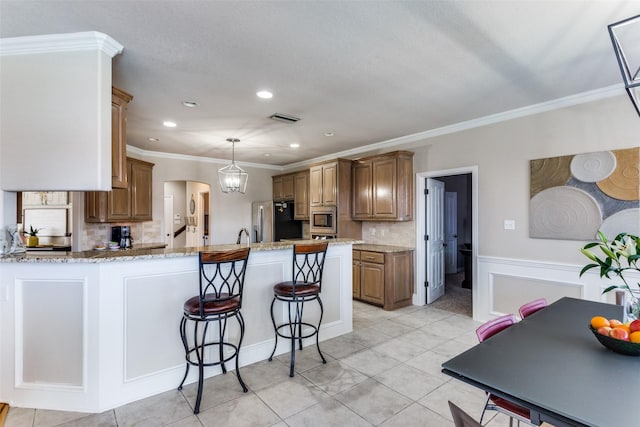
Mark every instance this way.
x=228 y=212
x=502 y=153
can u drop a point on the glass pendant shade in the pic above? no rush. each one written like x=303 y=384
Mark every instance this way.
x=232 y=178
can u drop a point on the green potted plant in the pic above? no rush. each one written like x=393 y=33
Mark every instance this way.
x=614 y=259
x=32 y=240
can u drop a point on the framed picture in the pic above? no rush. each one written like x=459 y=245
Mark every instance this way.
x=572 y=197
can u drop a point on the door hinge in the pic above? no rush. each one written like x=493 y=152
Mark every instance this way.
x=426 y=284
x=426 y=191
x=426 y=237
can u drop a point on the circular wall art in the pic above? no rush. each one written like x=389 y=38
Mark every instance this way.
x=627 y=220
x=624 y=182
x=592 y=167
x=564 y=213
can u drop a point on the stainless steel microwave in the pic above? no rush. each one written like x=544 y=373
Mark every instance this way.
x=323 y=220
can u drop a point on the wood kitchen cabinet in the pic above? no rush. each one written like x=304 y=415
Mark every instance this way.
x=323 y=183
x=283 y=188
x=119 y=102
x=133 y=203
x=382 y=187
x=301 y=196
x=293 y=187
x=383 y=278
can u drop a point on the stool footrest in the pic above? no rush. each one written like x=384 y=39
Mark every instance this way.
x=289 y=326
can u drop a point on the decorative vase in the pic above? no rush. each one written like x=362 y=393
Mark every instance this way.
x=631 y=306
x=32 y=241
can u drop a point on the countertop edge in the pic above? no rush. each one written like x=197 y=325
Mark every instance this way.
x=373 y=247
x=94 y=256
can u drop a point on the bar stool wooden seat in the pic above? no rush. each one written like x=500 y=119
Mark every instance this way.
x=305 y=286
x=221 y=284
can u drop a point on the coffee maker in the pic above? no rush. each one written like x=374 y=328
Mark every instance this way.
x=122 y=235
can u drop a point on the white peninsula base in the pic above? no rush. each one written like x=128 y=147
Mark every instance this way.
x=94 y=335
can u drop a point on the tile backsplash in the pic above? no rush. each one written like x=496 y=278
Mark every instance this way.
x=141 y=232
x=390 y=233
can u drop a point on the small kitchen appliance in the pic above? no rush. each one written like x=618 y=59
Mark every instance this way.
x=122 y=235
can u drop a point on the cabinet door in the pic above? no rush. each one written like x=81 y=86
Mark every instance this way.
x=119 y=102
x=141 y=191
x=95 y=206
x=398 y=280
x=330 y=184
x=301 y=196
x=372 y=283
x=384 y=188
x=356 y=279
x=361 y=190
x=288 y=192
x=278 y=192
x=118 y=205
x=315 y=186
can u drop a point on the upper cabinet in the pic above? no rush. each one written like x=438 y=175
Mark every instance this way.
x=324 y=181
x=293 y=187
x=133 y=203
x=301 y=195
x=283 y=188
x=119 y=103
x=382 y=187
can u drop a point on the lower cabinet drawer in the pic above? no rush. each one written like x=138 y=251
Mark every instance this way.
x=375 y=257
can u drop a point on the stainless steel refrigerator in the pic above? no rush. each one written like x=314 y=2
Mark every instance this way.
x=262 y=221
x=271 y=222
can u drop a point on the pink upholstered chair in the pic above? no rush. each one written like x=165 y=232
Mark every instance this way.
x=495 y=403
x=492 y=327
x=532 y=306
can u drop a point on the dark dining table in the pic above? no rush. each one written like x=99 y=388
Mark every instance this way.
x=552 y=364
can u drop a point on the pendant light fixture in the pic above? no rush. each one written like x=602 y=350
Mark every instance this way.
x=625 y=36
x=232 y=178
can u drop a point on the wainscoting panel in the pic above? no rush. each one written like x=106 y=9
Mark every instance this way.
x=50 y=337
x=505 y=284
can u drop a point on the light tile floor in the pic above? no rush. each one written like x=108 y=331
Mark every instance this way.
x=386 y=372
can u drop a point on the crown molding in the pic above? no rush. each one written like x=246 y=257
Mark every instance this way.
x=173 y=156
x=67 y=42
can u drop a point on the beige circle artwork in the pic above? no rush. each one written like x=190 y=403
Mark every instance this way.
x=624 y=182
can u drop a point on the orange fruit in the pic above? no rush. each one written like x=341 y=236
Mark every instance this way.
x=635 y=337
x=598 y=322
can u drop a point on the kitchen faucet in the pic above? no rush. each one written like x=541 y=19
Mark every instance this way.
x=243 y=230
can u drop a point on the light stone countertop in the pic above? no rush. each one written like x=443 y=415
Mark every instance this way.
x=381 y=248
x=95 y=256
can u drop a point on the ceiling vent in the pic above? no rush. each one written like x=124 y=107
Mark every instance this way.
x=284 y=118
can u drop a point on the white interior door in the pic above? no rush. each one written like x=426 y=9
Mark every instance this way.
x=434 y=241
x=451 y=232
x=168 y=221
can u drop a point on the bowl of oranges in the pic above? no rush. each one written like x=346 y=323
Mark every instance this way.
x=623 y=338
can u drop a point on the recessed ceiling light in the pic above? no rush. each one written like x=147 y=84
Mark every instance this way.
x=264 y=94
x=169 y=124
x=190 y=104
x=294 y=145
x=267 y=155
x=153 y=139
x=328 y=134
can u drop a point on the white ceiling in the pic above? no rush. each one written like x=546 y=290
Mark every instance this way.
x=368 y=71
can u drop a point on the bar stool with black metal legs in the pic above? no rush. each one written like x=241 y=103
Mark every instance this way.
x=305 y=286
x=220 y=298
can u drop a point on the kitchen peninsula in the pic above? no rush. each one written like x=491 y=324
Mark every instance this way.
x=89 y=331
